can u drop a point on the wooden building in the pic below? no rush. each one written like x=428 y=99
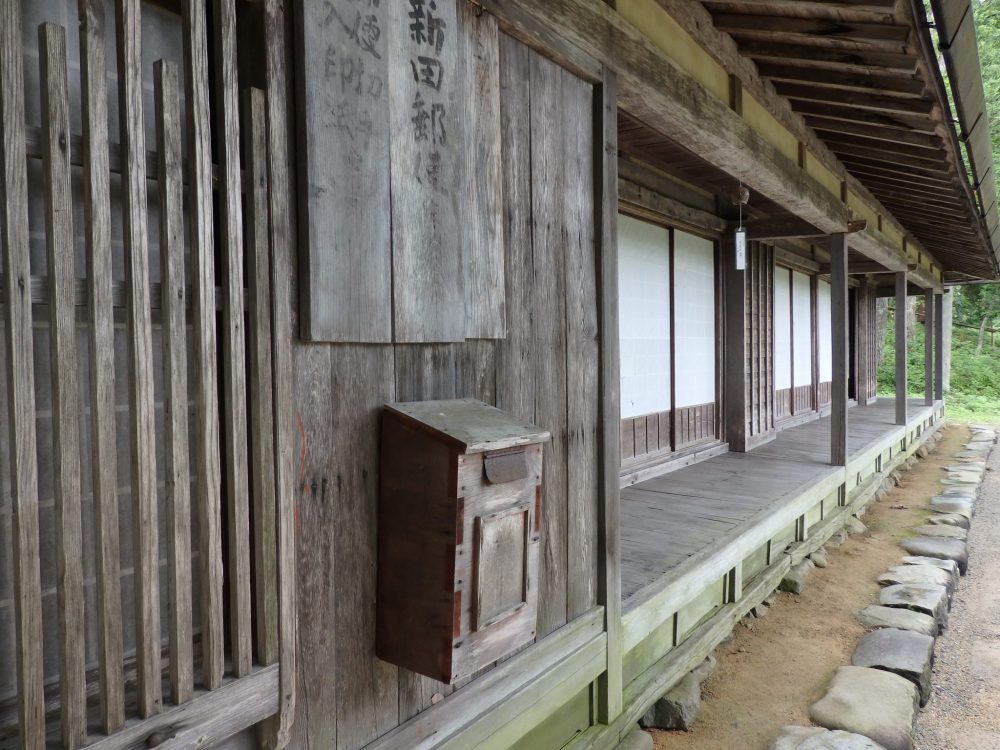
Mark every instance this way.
x=234 y=232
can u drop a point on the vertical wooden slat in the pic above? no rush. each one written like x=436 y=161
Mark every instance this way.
x=261 y=413
x=549 y=329
x=175 y=400
x=277 y=734
x=65 y=387
x=20 y=382
x=485 y=308
x=939 y=347
x=929 y=347
x=145 y=549
x=233 y=336
x=901 y=347
x=582 y=354
x=609 y=690
x=206 y=462
x=97 y=231
x=840 y=333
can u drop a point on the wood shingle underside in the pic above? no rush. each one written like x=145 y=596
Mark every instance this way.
x=857 y=73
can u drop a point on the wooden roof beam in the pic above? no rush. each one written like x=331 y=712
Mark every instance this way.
x=848 y=113
x=877 y=102
x=792 y=228
x=847 y=60
x=826 y=126
x=895 y=85
x=855 y=10
x=893 y=37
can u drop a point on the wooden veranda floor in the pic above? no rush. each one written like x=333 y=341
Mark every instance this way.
x=668 y=519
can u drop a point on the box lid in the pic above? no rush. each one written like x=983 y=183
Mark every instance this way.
x=471 y=425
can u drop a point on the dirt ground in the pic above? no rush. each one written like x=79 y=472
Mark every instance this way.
x=778 y=665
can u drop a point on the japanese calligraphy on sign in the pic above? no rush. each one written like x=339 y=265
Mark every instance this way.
x=427 y=104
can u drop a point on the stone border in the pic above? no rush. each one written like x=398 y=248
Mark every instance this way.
x=873 y=703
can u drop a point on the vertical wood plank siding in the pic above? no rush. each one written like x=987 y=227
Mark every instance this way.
x=20 y=383
x=145 y=543
x=548 y=183
x=175 y=400
x=97 y=231
x=581 y=371
x=237 y=485
x=206 y=463
x=482 y=218
x=65 y=388
x=544 y=370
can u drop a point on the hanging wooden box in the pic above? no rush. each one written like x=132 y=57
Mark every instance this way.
x=458 y=534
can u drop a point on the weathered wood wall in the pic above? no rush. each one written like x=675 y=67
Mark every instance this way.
x=545 y=370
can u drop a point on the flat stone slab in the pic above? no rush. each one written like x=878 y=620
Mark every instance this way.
x=946 y=549
x=949 y=519
x=902 y=652
x=877 y=704
x=817 y=738
x=927 y=598
x=959 y=482
x=949 y=566
x=965 y=477
x=979 y=469
x=943 y=530
x=917 y=574
x=952 y=505
x=969 y=453
x=890 y=617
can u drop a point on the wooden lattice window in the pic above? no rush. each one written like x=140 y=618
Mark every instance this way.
x=144 y=479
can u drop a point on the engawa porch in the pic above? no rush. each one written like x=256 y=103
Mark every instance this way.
x=703 y=544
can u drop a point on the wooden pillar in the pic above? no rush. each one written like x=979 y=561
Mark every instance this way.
x=930 y=338
x=939 y=347
x=901 y=347
x=609 y=693
x=838 y=327
x=735 y=392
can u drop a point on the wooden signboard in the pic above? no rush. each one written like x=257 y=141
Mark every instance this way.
x=346 y=261
x=401 y=189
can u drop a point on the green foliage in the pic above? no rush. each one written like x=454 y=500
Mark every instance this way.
x=975 y=378
x=973 y=303
x=886 y=374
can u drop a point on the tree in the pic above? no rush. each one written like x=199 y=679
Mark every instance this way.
x=978 y=305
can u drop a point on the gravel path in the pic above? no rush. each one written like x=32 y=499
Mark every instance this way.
x=964 y=711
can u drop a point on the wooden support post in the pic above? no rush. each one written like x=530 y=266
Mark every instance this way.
x=609 y=703
x=207 y=467
x=276 y=732
x=839 y=325
x=929 y=340
x=901 y=347
x=734 y=379
x=101 y=340
x=20 y=417
x=65 y=388
x=166 y=89
x=145 y=542
x=939 y=347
